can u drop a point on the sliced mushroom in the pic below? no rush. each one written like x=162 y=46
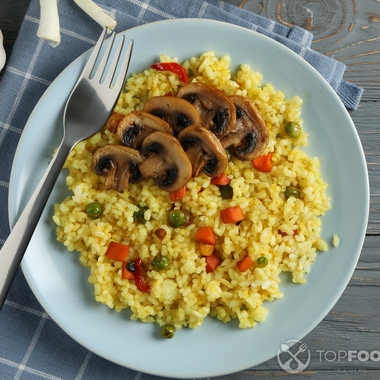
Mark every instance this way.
x=119 y=164
x=204 y=150
x=217 y=112
x=113 y=121
x=137 y=125
x=165 y=162
x=249 y=137
x=177 y=112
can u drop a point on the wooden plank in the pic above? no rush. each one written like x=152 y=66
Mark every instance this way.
x=347 y=30
x=366 y=119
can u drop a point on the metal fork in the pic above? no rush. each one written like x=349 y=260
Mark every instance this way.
x=87 y=110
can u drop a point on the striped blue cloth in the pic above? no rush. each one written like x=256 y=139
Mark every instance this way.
x=32 y=346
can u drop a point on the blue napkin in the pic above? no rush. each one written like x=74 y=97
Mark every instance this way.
x=32 y=346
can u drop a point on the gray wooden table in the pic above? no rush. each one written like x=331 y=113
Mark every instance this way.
x=348 y=30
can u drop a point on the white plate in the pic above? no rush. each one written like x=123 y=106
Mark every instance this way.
x=60 y=283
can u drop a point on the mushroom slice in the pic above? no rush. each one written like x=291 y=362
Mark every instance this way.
x=119 y=164
x=137 y=125
x=217 y=112
x=177 y=112
x=113 y=121
x=249 y=137
x=204 y=150
x=165 y=162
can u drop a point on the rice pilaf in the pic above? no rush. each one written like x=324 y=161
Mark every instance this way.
x=286 y=231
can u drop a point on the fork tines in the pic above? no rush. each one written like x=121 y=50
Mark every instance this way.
x=103 y=68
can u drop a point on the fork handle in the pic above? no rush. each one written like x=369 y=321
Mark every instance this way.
x=17 y=242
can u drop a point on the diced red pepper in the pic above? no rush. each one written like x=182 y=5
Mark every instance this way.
x=232 y=214
x=126 y=274
x=221 y=180
x=117 y=251
x=263 y=163
x=173 y=67
x=205 y=235
x=178 y=194
x=244 y=263
x=138 y=275
x=212 y=262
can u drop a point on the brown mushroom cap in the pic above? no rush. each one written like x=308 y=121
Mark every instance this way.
x=137 y=125
x=177 y=112
x=165 y=162
x=217 y=112
x=119 y=164
x=249 y=137
x=204 y=150
x=113 y=121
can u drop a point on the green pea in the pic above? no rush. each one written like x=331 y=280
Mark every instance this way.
x=291 y=191
x=94 y=210
x=262 y=262
x=139 y=215
x=292 y=129
x=167 y=331
x=176 y=218
x=226 y=191
x=160 y=263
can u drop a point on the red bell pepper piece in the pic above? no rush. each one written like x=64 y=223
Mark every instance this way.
x=173 y=67
x=138 y=275
x=212 y=262
x=221 y=180
x=178 y=194
x=205 y=235
x=232 y=214
x=126 y=274
x=117 y=251
x=244 y=263
x=263 y=163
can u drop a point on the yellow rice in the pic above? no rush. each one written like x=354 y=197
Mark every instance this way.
x=184 y=294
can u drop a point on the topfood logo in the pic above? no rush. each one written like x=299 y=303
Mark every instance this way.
x=289 y=359
x=294 y=356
